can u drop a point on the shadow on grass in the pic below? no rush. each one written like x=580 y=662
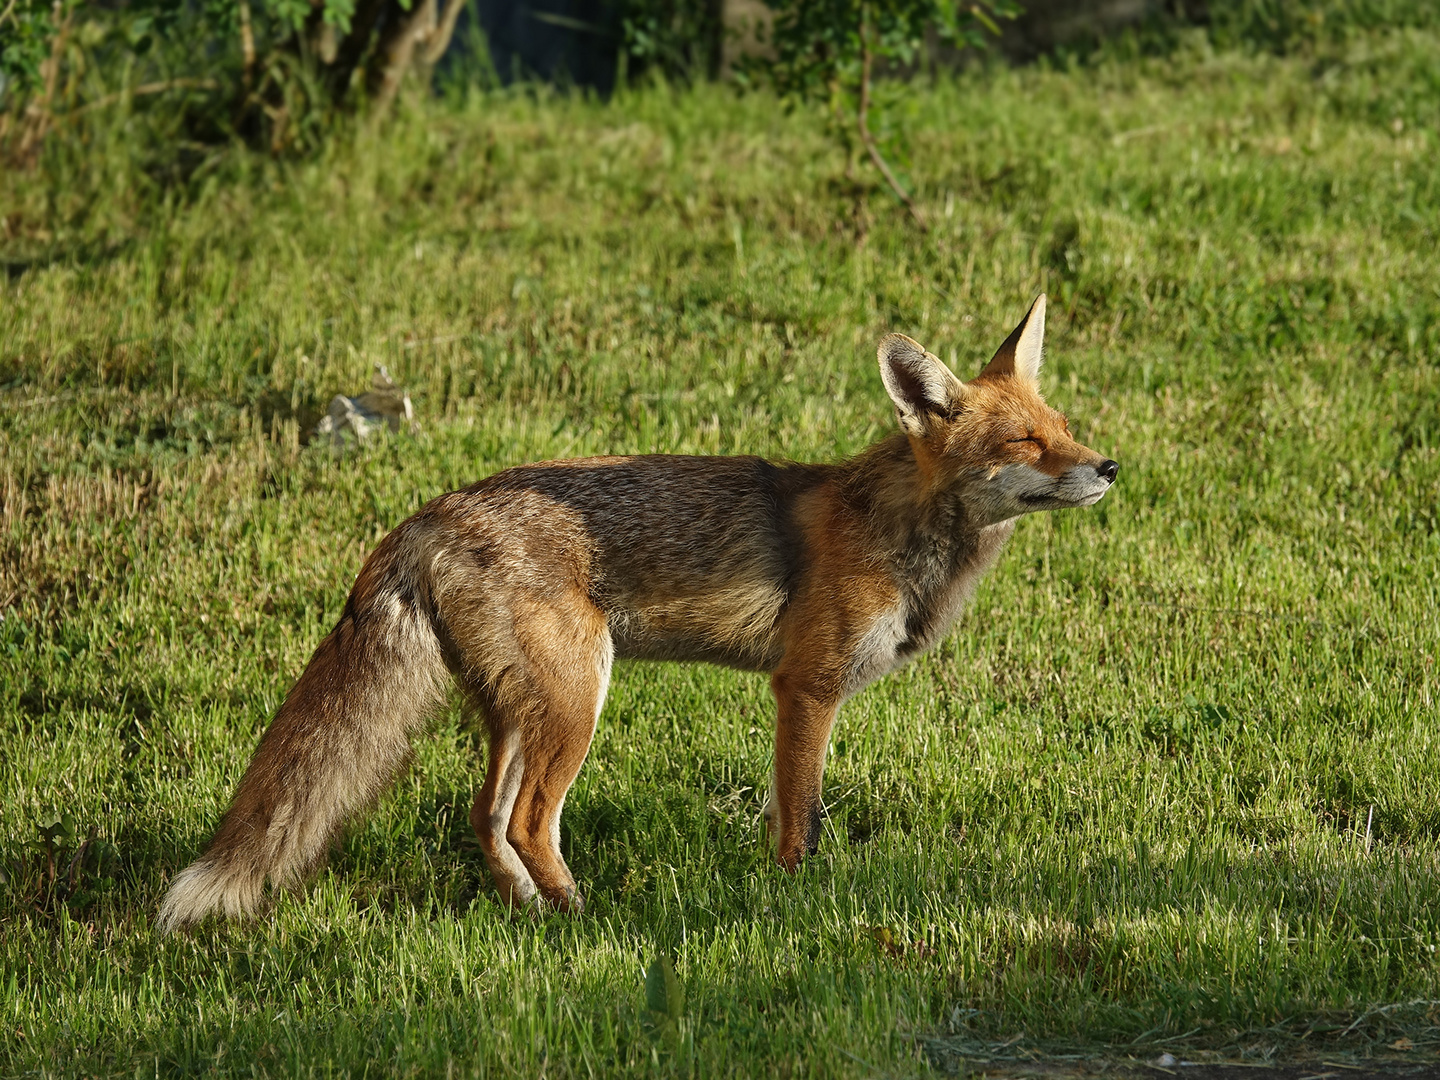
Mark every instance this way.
x=86 y=255
x=1012 y=970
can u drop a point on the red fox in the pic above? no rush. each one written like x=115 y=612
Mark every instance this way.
x=525 y=587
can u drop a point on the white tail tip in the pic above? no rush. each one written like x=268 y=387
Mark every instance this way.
x=204 y=888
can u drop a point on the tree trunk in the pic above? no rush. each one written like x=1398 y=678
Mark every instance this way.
x=413 y=40
x=404 y=34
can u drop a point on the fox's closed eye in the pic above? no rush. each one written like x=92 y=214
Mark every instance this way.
x=1026 y=438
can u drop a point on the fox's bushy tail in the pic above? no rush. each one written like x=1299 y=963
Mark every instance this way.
x=333 y=747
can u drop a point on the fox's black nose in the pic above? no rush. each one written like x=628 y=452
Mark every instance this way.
x=1108 y=469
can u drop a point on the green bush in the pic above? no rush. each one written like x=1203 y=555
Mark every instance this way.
x=1285 y=25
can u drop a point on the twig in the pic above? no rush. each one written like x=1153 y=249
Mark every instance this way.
x=863 y=115
x=247 y=43
x=1122 y=137
x=443 y=31
x=9 y=9
x=148 y=88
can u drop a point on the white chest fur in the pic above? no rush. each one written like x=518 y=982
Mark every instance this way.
x=924 y=614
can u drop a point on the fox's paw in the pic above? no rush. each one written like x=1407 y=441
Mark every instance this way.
x=797 y=837
x=566 y=900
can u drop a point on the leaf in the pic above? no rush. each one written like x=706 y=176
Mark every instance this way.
x=1402 y=1043
x=58 y=827
x=663 y=992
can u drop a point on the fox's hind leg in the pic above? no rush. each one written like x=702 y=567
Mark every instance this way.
x=543 y=694
x=494 y=804
x=570 y=685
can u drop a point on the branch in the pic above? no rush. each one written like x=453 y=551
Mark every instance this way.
x=863 y=118
x=443 y=32
x=147 y=88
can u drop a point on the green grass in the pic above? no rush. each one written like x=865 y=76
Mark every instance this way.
x=1173 y=784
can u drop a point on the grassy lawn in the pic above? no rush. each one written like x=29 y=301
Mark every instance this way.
x=1172 y=785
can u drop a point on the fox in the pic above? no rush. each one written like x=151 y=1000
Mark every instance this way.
x=524 y=589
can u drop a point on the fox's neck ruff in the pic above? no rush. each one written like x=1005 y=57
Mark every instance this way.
x=923 y=523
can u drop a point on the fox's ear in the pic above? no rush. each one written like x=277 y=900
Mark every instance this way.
x=1019 y=356
x=919 y=384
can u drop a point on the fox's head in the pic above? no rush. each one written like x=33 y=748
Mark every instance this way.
x=993 y=440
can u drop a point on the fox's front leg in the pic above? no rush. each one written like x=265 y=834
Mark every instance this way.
x=806 y=713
